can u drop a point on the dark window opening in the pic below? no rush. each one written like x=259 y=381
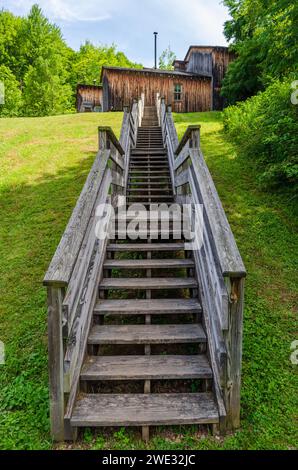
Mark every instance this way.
x=177 y=92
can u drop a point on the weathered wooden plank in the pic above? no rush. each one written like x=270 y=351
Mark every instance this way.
x=145 y=410
x=227 y=251
x=234 y=352
x=117 y=179
x=117 y=159
x=156 y=283
x=146 y=247
x=186 y=138
x=56 y=356
x=148 y=263
x=111 y=137
x=63 y=262
x=76 y=281
x=152 y=307
x=182 y=158
x=146 y=334
x=182 y=178
x=146 y=368
x=216 y=287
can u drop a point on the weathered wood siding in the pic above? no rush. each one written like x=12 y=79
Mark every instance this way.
x=121 y=87
x=88 y=94
x=213 y=61
x=200 y=62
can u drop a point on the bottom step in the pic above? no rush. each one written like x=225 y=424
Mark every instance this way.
x=145 y=410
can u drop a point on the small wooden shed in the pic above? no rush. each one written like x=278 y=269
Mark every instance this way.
x=89 y=98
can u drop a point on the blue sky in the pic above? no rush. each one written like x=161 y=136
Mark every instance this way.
x=130 y=23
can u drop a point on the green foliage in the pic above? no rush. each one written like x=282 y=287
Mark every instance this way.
x=13 y=96
x=47 y=71
x=265 y=39
x=166 y=59
x=90 y=59
x=10 y=40
x=44 y=93
x=265 y=129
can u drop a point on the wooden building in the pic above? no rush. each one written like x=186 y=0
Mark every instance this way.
x=193 y=85
x=209 y=60
x=186 y=92
x=89 y=98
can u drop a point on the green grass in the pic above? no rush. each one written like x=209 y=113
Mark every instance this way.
x=44 y=163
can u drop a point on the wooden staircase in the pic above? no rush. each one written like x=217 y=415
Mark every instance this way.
x=165 y=343
x=140 y=349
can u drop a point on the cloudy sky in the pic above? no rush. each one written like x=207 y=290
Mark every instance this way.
x=130 y=23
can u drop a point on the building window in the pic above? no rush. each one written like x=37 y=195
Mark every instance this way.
x=177 y=92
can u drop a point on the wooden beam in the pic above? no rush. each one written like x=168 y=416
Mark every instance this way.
x=186 y=137
x=110 y=137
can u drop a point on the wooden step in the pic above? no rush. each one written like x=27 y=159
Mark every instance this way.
x=147 y=190
x=148 y=263
x=145 y=409
x=146 y=368
x=147 y=152
x=150 y=234
x=140 y=173
x=154 y=283
x=150 y=307
x=144 y=197
x=131 y=247
x=147 y=176
x=147 y=334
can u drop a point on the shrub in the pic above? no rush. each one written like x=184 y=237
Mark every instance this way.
x=265 y=129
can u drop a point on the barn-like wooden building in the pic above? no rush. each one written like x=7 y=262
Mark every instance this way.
x=193 y=85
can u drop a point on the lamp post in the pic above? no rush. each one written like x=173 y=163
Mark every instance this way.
x=155 y=50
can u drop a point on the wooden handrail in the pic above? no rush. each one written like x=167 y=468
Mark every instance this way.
x=62 y=264
x=186 y=137
x=76 y=267
x=112 y=138
x=219 y=268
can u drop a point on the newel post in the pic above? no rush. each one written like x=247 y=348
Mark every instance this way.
x=56 y=361
x=195 y=138
x=233 y=339
x=103 y=139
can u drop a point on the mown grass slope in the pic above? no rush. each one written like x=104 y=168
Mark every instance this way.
x=44 y=163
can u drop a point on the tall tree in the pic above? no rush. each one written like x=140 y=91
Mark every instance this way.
x=12 y=96
x=90 y=59
x=46 y=66
x=264 y=36
x=10 y=41
x=166 y=59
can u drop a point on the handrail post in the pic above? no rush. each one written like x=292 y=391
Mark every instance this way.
x=235 y=288
x=56 y=361
x=195 y=138
x=103 y=139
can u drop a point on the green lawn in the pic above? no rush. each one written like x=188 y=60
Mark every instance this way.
x=44 y=163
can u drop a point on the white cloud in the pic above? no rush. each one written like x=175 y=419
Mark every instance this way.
x=65 y=10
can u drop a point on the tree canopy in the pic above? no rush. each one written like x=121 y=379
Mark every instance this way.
x=264 y=36
x=166 y=59
x=39 y=71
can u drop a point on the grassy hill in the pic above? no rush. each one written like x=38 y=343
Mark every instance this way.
x=43 y=165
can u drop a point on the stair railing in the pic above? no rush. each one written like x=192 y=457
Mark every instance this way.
x=76 y=269
x=219 y=267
